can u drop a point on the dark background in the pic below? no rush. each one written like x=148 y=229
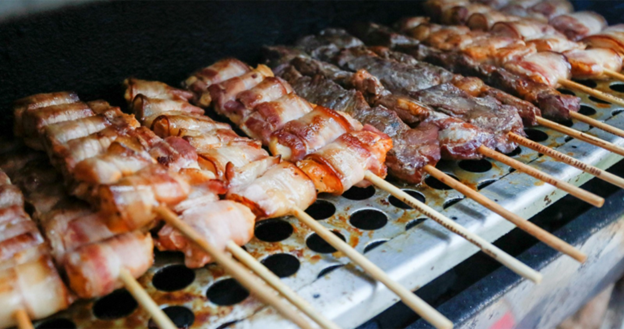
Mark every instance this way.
x=91 y=48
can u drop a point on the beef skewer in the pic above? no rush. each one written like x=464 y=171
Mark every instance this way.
x=270 y=195
x=485 y=112
x=326 y=184
x=111 y=166
x=148 y=100
x=315 y=89
x=594 y=63
x=376 y=34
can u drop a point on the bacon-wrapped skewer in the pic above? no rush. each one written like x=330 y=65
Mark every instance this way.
x=29 y=282
x=128 y=192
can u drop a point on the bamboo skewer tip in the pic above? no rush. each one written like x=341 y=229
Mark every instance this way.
x=614 y=74
x=143 y=298
x=591 y=91
x=23 y=320
x=598 y=124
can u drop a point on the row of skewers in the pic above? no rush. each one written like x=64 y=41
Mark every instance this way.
x=337 y=114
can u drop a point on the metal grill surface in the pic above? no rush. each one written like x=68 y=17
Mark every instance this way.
x=411 y=248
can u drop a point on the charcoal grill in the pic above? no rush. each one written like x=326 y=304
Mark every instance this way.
x=91 y=48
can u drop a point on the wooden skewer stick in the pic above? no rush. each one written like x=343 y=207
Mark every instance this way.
x=141 y=296
x=521 y=167
x=591 y=91
x=23 y=320
x=277 y=284
x=614 y=74
x=235 y=269
x=419 y=306
x=521 y=223
x=598 y=124
x=581 y=136
x=599 y=173
x=491 y=250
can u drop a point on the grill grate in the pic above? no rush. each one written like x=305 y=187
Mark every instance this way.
x=400 y=240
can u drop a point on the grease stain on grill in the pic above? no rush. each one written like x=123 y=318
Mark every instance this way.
x=59 y=323
x=536 y=135
x=282 y=265
x=438 y=185
x=566 y=92
x=485 y=184
x=587 y=83
x=374 y=244
x=475 y=165
x=400 y=204
x=226 y=292
x=359 y=193
x=173 y=277
x=368 y=219
x=115 y=305
x=317 y=244
x=181 y=316
x=327 y=270
x=596 y=100
x=414 y=223
x=587 y=110
x=321 y=209
x=617 y=87
x=273 y=230
x=515 y=152
x=451 y=202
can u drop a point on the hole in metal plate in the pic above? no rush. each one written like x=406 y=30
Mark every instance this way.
x=321 y=209
x=566 y=92
x=226 y=292
x=368 y=219
x=282 y=265
x=273 y=230
x=115 y=305
x=57 y=324
x=227 y=324
x=374 y=244
x=173 y=277
x=328 y=269
x=181 y=316
x=485 y=184
x=316 y=243
x=567 y=139
x=536 y=135
x=597 y=100
x=414 y=223
x=475 y=165
x=400 y=204
x=451 y=202
x=587 y=110
x=359 y=193
x=617 y=87
x=588 y=83
x=616 y=112
x=438 y=185
x=515 y=152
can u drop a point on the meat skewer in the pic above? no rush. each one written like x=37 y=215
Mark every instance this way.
x=26 y=267
x=446 y=97
x=273 y=192
x=328 y=184
x=152 y=113
x=585 y=63
x=379 y=35
x=376 y=34
x=123 y=180
x=95 y=250
x=316 y=91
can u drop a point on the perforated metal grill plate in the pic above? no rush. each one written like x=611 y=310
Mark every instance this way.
x=410 y=248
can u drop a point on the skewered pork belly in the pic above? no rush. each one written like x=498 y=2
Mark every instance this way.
x=576 y=26
x=610 y=38
x=220 y=71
